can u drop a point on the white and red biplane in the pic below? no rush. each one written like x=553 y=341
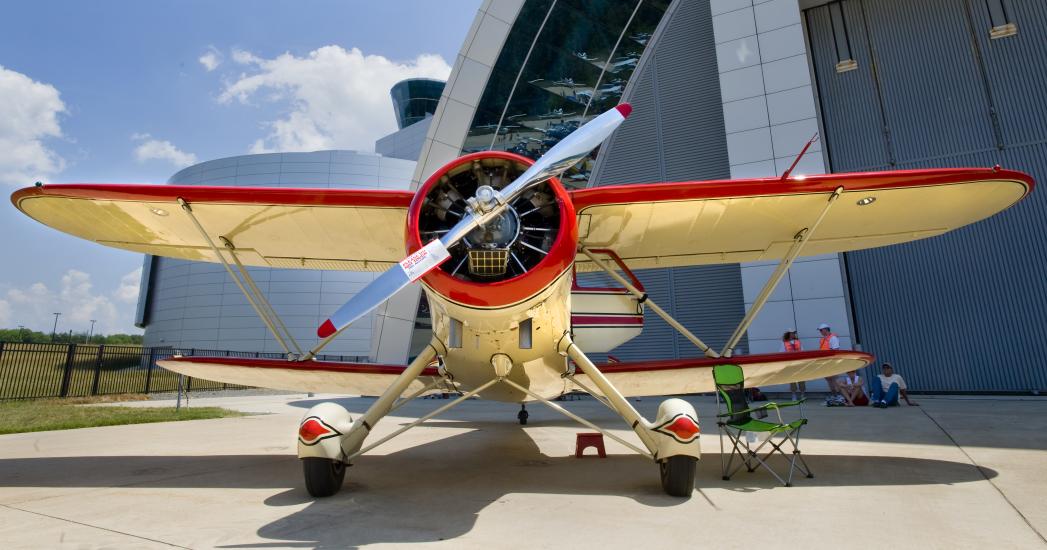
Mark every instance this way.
x=496 y=240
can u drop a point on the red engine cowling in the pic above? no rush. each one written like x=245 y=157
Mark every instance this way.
x=509 y=259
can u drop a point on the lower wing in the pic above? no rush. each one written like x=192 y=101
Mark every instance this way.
x=305 y=376
x=679 y=376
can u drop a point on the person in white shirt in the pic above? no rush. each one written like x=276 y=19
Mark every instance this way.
x=887 y=387
x=853 y=389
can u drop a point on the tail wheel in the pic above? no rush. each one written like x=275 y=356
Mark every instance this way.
x=323 y=476
x=678 y=475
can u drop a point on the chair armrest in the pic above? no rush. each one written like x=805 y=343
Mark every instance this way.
x=783 y=404
x=749 y=410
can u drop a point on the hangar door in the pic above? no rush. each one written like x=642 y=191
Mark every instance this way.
x=938 y=83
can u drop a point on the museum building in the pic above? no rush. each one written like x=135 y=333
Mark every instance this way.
x=721 y=89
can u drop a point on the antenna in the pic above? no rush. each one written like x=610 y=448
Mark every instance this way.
x=785 y=175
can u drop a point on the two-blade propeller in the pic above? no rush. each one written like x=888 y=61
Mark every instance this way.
x=486 y=205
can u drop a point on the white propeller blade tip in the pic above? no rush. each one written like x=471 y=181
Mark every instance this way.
x=624 y=109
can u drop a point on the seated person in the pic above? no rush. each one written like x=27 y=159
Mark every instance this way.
x=853 y=389
x=887 y=387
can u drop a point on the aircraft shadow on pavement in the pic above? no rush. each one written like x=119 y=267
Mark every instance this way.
x=436 y=490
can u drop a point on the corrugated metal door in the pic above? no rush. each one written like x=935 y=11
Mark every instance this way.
x=966 y=311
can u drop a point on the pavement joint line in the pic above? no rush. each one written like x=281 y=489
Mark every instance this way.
x=94 y=526
x=982 y=472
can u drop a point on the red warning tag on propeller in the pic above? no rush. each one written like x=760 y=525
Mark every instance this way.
x=429 y=256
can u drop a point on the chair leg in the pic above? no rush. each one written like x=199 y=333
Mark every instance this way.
x=792 y=437
x=763 y=461
x=723 y=466
x=796 y=452
x=735 y=439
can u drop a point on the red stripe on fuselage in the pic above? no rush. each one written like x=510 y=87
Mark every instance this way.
x=606 y=319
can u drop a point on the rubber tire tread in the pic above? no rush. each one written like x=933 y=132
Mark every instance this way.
x=323 y=476
x=678 y=473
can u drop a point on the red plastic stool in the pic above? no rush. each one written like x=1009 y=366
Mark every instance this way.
x=589 y=439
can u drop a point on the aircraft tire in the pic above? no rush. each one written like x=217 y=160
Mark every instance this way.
x=678 y=475
x=323 y=476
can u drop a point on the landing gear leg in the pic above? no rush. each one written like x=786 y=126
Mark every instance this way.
x=672 y=439
x=523 y=415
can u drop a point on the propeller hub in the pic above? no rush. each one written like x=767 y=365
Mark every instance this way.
x=485 y=200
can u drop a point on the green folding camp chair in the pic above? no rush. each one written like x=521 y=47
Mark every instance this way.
x=739 y=419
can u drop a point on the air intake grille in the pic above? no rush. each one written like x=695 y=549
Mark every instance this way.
x=488 y=263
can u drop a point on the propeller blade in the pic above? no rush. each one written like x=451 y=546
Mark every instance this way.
x=381 y=289
x=554 y=162
x=569 y=151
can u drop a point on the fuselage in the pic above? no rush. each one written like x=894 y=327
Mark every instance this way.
x=527 y=332
x=506 y=287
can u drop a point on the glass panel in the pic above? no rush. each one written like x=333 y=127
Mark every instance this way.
x=576 y=68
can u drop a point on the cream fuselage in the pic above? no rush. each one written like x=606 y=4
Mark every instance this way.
x=486 y=332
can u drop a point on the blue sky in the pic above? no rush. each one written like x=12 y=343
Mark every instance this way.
x=131 y=91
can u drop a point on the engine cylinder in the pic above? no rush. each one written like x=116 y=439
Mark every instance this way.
x=508 y=259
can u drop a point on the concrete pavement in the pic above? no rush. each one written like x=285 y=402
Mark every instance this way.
x=956 y=473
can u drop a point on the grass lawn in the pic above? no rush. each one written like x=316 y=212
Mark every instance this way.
x=64 y=414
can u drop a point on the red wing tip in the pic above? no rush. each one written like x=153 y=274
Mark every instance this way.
x=326 y=329
x=624 y=109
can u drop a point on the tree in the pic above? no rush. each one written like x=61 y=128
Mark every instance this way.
x=32 y=336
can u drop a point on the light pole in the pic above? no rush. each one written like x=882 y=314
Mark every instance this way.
x=55 y=328
x=21 y=333
x=91 y=333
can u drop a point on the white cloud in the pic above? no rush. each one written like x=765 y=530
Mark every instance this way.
x=28 y=115
x=211 y=60
x=127 y=292
x=245 y=58
x=156 y=149
x=78 y=302
x=337 y=98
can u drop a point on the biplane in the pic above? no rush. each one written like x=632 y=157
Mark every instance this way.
x=496 y=242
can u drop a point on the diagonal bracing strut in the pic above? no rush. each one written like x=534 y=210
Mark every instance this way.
x=645 y=299
x=255 y=301
x=799 y=241
x=262 y=300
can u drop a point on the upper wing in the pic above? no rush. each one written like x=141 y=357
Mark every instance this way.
x=307 y=376
x=691 y=223
x=679 y=376
x=347 y=229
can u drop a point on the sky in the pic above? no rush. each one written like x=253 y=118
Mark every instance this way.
x=127 y=91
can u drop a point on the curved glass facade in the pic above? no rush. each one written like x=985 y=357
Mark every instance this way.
x=564 y=62
x=415 y=98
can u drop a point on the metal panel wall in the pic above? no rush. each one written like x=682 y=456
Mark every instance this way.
x=966 y=311
x=676 y=133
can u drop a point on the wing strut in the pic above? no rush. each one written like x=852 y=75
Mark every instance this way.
x=257 y=300
x=799 y=240
x=645 y=299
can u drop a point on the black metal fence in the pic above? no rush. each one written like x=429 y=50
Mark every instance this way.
x=75 y=370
